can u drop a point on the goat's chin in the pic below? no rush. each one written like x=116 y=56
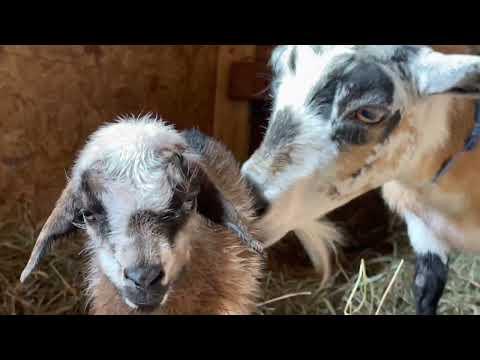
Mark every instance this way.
x=130 y=304
x=146 y=306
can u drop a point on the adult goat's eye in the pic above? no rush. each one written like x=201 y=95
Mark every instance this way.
x=370 y=115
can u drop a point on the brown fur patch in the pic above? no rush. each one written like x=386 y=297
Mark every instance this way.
x=456 y=196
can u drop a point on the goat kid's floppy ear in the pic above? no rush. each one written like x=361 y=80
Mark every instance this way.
x=209 y=200
x=194 y=184
x=436 y=73
x=58 y=225
x=213 y=205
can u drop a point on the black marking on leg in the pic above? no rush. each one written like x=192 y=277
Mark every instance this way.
x=430 y=279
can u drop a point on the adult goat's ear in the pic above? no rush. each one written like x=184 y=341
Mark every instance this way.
x=436 y=73
x=58 y=225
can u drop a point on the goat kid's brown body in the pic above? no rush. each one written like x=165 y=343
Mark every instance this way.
x=223 y=274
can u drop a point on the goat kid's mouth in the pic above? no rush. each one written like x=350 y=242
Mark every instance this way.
x=145 y=300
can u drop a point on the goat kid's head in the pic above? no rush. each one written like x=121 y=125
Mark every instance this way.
x=138 y=192
x=351 y=115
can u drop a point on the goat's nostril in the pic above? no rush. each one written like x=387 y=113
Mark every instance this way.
x=144 y=276
x=134 y=275
x=159 y=277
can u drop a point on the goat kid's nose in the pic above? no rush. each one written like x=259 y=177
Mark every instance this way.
x=144 y=276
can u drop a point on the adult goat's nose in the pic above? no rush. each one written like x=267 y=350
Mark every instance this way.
x=144 y=276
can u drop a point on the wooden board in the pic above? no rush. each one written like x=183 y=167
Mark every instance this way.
x=264 y=52
x=232 y=116
x=249 y=81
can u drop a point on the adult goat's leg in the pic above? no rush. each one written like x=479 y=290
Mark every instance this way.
x=431 y=269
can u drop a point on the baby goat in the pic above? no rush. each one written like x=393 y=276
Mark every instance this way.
x=350 y=118
x=167 y=216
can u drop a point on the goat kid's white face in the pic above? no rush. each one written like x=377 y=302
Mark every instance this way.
x=134 y=190
x=135 y=231
x=349 y=115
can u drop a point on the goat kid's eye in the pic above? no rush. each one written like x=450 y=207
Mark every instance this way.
x=88 y=215
x=370 y=115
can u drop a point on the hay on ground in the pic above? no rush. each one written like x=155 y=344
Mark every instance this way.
x=291 y=288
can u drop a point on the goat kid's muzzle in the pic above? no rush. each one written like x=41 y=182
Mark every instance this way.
x=144 y=287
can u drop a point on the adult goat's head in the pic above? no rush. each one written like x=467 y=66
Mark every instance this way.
x=351 y=115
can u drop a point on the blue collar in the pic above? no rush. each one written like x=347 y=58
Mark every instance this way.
x=470 y=144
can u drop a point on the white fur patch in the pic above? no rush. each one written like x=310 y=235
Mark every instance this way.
x=110 y=267
x=294 y=87
x=128 y=145
x=423 y=239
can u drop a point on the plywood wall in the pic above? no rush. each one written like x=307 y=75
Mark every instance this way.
x=232 y=116
x=52 y=97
